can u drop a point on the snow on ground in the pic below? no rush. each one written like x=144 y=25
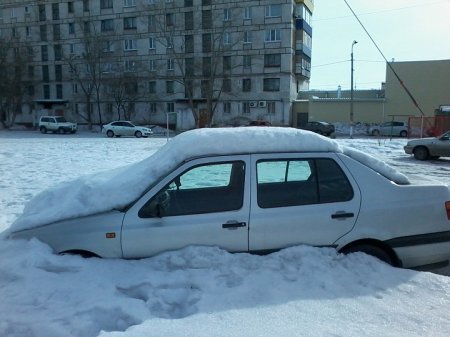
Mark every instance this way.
x=198 y=291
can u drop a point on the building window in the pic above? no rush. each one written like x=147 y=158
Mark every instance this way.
x=43 y=32
x=226 y=107
x=189 y=66
x=44 y=53
x=130 y=66
x=107 y=25
x=170 y=64
x=206 y=2
x=169 y=19
x=85 y=5
x=86 y=27
x=130 y=44
x=27 y=31
x=151 y=65
x=226 y=85
x=42 y=16
x=188 y=3
x=226 y=14
x=206 y=19
x=273 y=35
x=107 y=68
x=248 y=36
x=55 y=11
x=45 y=75
x=30 y=90
x=170 y=107
x=59 y=91
x=30 y=72
x=129 y=3
x=226 y=38
x=46 y=91
x=75 y=88
x=169 y=87
x=189 y=20
x=70 y=7
x=169 y=41
x=272 y=60
x=152 y=108
x=246 y=107
x=131 y=88
x=106 y=4
x=58 y=52
x=246 y=85
x=129 y=23
x=152 y=87
x=206 y=66
x=151 y=43
x=271 y=84
x=189 y=43
x=206 y=43
x=273 y=10
x=71 y=28
x=204 y=88
x=247 y=61
x=56 y=32
x=72 y=48
x=271 y=108
x=226 y=63
x=247 y=13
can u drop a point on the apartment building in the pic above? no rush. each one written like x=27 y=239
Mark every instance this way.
x=192 y=62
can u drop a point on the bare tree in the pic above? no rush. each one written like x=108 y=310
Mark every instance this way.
x=202 y=75
x=14 y=58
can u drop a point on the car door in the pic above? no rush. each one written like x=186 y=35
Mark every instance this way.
x=441 y=146
x=204 y=202
x=300 y=199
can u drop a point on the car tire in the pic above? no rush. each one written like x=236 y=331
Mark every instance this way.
x=372 y=250
x=421 y=153
x=43 y=129
x=138 y=134
x=110 y=134
x=375 y=132
x=403 y=133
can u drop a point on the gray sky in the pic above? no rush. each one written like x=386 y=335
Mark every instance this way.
x=405 y=30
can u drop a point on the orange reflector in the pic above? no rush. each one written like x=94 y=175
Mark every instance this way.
x=447 y=207
x=111 y=235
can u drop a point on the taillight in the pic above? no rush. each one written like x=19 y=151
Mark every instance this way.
x=447 y=207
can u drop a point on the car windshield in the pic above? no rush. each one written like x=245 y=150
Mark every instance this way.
x=60 y=120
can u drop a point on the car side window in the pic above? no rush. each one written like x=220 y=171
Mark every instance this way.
x=301 y=182
x=208 y=188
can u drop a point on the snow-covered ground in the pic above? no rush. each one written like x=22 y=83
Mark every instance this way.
x=198 y=291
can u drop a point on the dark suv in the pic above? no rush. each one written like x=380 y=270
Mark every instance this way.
x=322 y=128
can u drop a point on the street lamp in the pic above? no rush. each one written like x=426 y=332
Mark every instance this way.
x=351 y=90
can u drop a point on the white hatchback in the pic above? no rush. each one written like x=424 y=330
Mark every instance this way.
x=247 y=190
x=125 y=128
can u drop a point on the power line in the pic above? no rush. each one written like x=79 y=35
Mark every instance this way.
x=382 y=11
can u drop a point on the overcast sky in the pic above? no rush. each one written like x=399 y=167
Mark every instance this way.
x=405 y=30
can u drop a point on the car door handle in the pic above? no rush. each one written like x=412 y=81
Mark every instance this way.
x=233 y=224
x=342 y=215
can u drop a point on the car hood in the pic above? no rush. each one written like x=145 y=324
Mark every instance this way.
x=422 y=141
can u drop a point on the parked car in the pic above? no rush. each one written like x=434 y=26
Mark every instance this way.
x=429 y=148
x=322 y=128
x=260 y=123
x=233 y=189
x=125 y=128
x=390 y=129
x=56 y=124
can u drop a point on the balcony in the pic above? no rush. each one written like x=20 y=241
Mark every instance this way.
x=302 y=49
x=302 y=24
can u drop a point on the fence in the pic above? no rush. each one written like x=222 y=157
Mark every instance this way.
x=419 y=127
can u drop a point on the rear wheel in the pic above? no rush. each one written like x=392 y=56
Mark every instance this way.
x=371 y=250
x=403 y=133
x=375 y=132
x=138 y=134
x=421 y=153
x=43 y=129
x=110 y=134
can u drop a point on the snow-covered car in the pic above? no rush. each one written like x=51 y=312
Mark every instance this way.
x=322 y=128
x=125 y=128
x=56 y=124
x=429 y=148
x=246 y=190
x=389 y=129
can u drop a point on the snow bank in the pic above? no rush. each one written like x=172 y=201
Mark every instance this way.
x=117 y=188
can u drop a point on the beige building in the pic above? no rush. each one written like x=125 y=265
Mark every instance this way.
x=256 y=54
x=428 y=82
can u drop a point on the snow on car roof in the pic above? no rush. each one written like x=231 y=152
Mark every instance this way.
x=117 y=188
